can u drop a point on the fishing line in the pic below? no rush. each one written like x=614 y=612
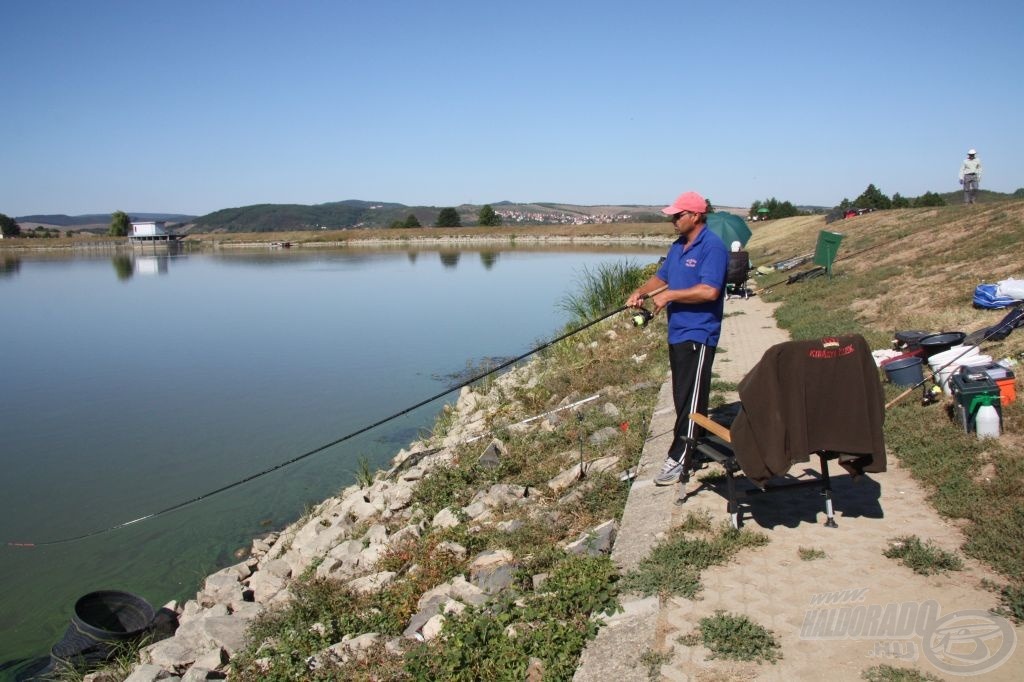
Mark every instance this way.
x=321 y=448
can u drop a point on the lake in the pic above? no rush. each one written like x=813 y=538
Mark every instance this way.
x=133 y=383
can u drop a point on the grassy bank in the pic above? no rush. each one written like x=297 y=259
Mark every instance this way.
x=917 y=269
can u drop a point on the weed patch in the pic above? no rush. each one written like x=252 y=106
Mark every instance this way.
x=923 y=557
x=496 y=642
x=890 y=673
x=810 y=553
x=736 y=638
x=674 y=566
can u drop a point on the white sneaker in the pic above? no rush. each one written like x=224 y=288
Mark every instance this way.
x=670 y=472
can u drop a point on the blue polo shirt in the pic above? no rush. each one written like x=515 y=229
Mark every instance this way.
x=686 y=265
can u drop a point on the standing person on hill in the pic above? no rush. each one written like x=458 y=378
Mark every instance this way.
x=694 y=274
x=970 y=175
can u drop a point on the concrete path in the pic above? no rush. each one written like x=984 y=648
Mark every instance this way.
x=796 y=599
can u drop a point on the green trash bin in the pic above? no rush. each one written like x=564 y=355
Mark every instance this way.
x=826 y=249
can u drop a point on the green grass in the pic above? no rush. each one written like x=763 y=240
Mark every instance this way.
x=603 y=288
x=922 y=557
x=810 y=553
x=889 y=673
x=894 y=286
x=674 y=565
x=652 y=661
x=735 y=637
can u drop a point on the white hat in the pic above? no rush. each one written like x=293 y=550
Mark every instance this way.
x=971 y=152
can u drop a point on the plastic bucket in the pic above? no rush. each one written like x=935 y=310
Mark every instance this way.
x=102 y=622
x=905 y=372
x=958 y=355
x=948 y=363
x=936 y=343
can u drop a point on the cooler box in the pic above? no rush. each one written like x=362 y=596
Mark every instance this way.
x=971 y=389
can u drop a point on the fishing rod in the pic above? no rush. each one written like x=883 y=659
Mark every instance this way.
x=342 y=439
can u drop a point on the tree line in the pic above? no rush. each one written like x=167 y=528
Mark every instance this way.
x=449 y=217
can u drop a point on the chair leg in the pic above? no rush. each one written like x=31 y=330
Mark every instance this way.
x=733 y=505
x=826 y=485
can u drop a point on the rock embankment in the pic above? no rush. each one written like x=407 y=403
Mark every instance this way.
x=344 y=538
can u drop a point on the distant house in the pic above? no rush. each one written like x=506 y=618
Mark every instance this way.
x=149 y=231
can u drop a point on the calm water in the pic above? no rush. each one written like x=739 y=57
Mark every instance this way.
x=130 y=384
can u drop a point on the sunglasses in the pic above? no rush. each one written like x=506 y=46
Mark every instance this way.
x=677 y=216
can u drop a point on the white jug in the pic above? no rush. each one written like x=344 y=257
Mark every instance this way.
x=986 y=423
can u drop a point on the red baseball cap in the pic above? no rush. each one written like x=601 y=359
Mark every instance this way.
x=687 y=201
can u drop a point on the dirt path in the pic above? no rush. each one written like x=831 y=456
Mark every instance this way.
x=802 y=600
x=890 y=615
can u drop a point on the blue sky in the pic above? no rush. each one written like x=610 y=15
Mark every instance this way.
x=195 y=106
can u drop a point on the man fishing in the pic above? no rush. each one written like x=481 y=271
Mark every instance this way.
x=693 y=279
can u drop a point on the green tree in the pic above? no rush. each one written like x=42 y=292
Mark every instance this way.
x=776 y=209
x=900 y=201
x=872 y=197
x=487 y=217
x=411 y=221
x=8 y=227
x=120 y=224
x=929 y=199
x=448 y=217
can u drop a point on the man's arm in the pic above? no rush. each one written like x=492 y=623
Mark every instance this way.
x=636 y=299
x=699 y=293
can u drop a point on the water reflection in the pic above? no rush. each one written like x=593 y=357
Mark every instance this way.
x=9 y=266
x=123 y=267
x=488 y=258
x=151 y=265
x=450 y=259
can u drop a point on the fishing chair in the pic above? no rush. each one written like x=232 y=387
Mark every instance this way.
x=736 y=274
x=819 y=397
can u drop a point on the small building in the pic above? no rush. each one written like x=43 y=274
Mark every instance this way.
x=150 y=231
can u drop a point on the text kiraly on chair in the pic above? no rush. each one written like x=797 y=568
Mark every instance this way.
x=818 y=397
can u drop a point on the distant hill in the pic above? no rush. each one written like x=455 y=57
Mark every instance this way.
x=982 y=197
x=93 y=221
x=350 y=214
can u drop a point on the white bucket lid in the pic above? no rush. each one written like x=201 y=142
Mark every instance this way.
x=961 y=354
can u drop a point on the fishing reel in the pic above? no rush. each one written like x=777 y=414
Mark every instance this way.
x=641 y=316
x=931 y=396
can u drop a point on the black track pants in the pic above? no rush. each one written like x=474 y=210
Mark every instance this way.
x=691 y=384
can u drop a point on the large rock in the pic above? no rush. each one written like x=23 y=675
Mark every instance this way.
x=227 y=632
x=492 y=571
x=432 y=628
x=596 y=541
x=602 y=436
x=221 y=587
x=492 y=455
x=372 y=583
x=568 y=477
x=169 y=654
x=466 y=592
x=453 y=548
x=265 y=585
x=148 y=672
x=445 y=518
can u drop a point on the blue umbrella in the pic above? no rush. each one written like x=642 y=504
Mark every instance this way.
x=730 y=227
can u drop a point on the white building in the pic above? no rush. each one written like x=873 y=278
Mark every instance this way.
x=150 y=232
x=149 y=229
